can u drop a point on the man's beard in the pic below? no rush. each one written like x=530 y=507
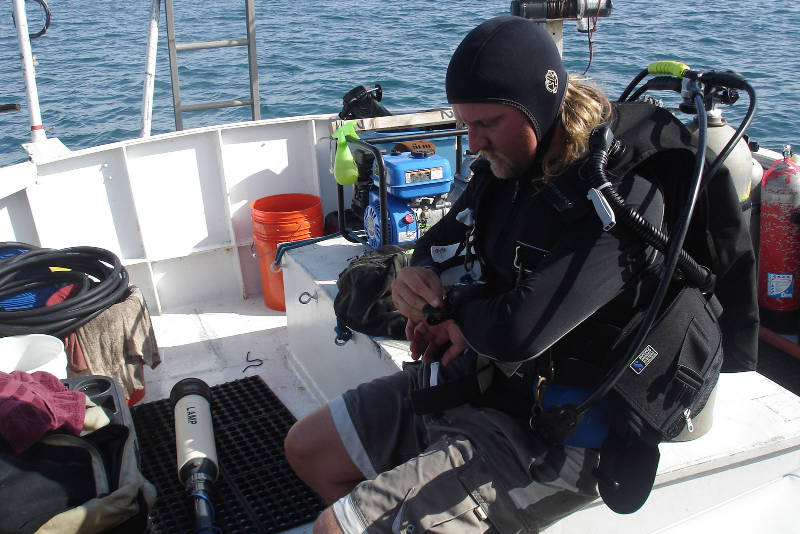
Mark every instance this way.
x=501 y=166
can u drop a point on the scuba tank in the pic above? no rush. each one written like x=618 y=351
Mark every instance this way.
x=779 y=248
x=744 y=170
x=719 y=87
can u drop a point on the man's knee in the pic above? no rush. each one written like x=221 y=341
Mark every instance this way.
x=304 y=439
x=294 y=444
x=318 y=456
x=326 y=523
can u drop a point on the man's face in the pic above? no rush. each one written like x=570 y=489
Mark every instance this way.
x=501 y=134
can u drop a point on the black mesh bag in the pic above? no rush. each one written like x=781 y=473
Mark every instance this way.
x=364 y=301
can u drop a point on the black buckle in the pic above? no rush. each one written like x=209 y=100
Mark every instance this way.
x=434 y=316
x=557 y=423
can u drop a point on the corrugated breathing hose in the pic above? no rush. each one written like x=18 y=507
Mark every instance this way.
x=98 y=277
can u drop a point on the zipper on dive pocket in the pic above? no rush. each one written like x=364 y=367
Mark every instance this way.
x=687 y=415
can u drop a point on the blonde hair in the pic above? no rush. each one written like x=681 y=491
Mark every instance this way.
x=585 y=106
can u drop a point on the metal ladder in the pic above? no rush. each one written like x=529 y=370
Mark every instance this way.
x=174 y=48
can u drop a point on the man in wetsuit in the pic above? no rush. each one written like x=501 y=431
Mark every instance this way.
x=527 y=305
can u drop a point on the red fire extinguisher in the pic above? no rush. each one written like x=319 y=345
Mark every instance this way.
x=779 y=249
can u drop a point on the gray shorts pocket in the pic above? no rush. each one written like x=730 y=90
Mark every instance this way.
x=443 y=506
x=494 y=504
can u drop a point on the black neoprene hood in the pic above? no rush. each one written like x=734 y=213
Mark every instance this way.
x=510 y=60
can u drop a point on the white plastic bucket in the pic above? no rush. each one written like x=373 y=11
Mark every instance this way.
x=33 y=352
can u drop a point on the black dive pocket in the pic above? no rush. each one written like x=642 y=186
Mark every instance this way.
x=673 y=374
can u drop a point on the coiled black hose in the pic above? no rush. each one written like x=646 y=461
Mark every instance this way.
x=45 y=22
x=99 y=278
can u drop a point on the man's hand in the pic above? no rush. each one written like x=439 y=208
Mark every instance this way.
x=427 y=340
x=413 y=288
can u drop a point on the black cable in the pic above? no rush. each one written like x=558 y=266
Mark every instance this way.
x=99 y=278
x=659 y=83
x=45 y=25
x=639 y=77
x=83 y=259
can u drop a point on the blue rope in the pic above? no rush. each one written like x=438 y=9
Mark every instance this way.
x=211 y=528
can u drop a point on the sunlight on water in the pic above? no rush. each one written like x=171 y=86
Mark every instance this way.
x=90 y=69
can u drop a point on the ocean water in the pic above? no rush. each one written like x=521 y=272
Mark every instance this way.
x=90 y=71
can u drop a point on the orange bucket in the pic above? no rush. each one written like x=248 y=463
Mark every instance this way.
x=278 y=219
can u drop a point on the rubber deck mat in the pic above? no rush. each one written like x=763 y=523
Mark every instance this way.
x=256 y=491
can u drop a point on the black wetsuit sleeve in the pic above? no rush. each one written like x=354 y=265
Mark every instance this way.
x=584 y=269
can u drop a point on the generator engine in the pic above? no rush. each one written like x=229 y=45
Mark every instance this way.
x=417 y=184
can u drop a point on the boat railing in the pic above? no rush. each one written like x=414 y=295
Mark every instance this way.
x=174 y=48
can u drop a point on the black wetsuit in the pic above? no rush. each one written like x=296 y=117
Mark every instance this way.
x=579 y=269
x=570 y=266
x=579 y=285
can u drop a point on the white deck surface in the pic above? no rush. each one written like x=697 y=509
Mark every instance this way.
x=212 y=343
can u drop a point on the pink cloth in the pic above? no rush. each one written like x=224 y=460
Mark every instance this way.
x=33 y=404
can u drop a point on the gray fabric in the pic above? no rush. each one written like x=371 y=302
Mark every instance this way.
x=110 y=508
x=118 y=343
x=463 y=471
x=350 y=439
x=381 y=421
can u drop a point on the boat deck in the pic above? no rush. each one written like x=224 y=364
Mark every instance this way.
x=214 y=343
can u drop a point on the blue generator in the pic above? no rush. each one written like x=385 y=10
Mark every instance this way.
x=417 y=183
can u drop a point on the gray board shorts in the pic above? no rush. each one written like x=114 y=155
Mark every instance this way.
x=466 y=470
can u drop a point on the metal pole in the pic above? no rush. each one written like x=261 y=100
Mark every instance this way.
x=37 y=131
x=173 y=65
x=150 y=68
x=556 y=30
x=252 y=57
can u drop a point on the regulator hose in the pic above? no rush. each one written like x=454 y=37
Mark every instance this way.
x=602 y=145
x=97 y=274
x=633 y=83
x=659 y=83
x=671 y=262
